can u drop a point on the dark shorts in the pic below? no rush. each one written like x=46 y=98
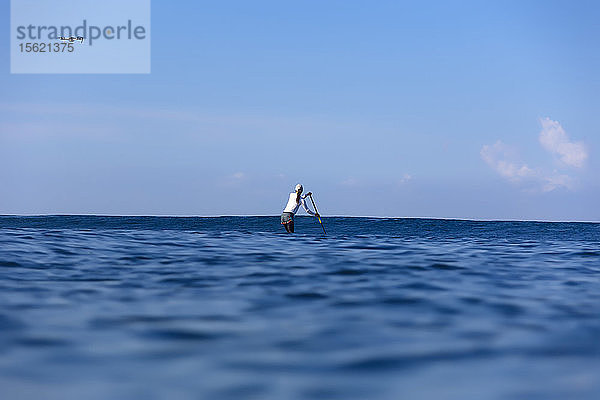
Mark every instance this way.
x=287 y=217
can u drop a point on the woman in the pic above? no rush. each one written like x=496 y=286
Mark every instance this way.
x=295 y=200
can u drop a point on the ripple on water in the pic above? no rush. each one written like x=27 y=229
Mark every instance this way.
x=180 y=334
x=378 y=363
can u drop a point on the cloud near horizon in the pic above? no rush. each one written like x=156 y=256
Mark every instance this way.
x=498 y=157
x=554 y=139
x=557 y=181
x=405 y=178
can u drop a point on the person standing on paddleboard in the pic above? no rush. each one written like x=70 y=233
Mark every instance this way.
x=294 y=201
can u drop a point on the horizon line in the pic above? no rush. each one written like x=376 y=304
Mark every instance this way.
x=276 y=215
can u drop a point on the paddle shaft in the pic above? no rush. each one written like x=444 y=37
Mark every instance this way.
x=317 y=211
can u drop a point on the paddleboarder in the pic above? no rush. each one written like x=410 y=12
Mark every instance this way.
x=294 y=201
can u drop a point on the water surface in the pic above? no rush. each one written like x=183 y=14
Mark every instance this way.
x=233 y=308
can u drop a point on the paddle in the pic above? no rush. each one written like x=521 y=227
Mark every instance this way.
x=315 y=207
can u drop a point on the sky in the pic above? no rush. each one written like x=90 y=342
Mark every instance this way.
x=471 y=109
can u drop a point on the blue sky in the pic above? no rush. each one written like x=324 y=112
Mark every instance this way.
x=485 y=110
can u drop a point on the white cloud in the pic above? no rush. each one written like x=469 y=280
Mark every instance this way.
x=234 y=180
x=405 y=178
x=349 y=182
x=554 y=139
x=556 y=182
x=498 y=156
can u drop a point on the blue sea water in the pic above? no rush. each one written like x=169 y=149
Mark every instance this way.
x=233 y=308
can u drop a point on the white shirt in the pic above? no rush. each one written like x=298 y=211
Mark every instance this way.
x=292 y=206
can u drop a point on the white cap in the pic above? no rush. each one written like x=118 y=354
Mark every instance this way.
x=298 y=187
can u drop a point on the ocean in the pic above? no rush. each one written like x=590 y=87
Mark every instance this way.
x=96 y=307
